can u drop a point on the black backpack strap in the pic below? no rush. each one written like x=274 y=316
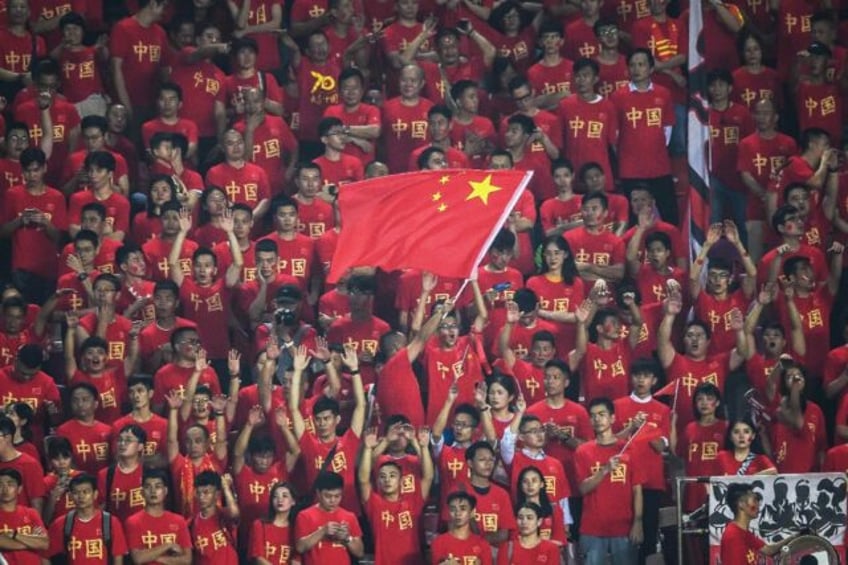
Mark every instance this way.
x=106 y=528
x=68 y=528
x=110 y=479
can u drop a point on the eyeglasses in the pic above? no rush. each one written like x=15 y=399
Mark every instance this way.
x=462 y=425
x=448 y=326
x=189 y=342
x=608 y=31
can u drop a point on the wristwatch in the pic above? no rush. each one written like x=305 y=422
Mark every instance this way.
x=348 y=539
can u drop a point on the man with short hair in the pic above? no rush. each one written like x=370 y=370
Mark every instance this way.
x=361 y=120
x=326 y=532
x=91 y=439
x=100 y=171
x=169 y=103
x=105 y=322
x=212 y=528
x=81 y=533
x=168 y=531
x=315 y=215
x=75 y=175
x=30 y=491
x=610 y=481
x=243 y=182
x=296 y=250
x=155 y=427
x=439 y=120
x=337 y=166
x=460 y=541
x=404 y=125
x=24 y=381
x=738 y=545
x=35 y=217
x=470 y=132
x=154 y=338
x=26 y=537
x=598 y=253
x=120 y=484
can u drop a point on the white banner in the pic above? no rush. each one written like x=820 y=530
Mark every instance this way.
x=790 y=503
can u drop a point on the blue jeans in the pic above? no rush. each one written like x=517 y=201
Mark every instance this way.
x=728 y=204
x=596 y=549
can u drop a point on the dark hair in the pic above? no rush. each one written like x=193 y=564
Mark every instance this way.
x=584 y=63
x=469 y=410
x=425 y=155
x=352 y=72
x=780 y=215
x=720 y=74
x=742 y=38
x=110 y=278
x=525 y=122
x=207 y=479
x=545 y=507
x=244 y=43
x=178 y=333
x=135 y=430
x=171 y=87
x=72 y=18
x=204 y=217
x=149 y=473
x=14 y=474
x=472 y=449
x=561 y=163
x=506 y=381
x=794 y=186
x=30 y=356
x=201 y=251
x=261 y=443
x=568 y=271
x=561 y=365
x=460 y=86
x=497 y=15
x=696 y=323
x=327 y=480
x=59 y=446
x=504 y=241
x=281 y=201
x=602 y=23
x=526 y=300
x=502 y=153
x=328 y=123
x=462 y=495
x=123 y=253
x=88 y=387
x=273 y=513
x=784 y=389
x=83 y=479
x=792 y=264
x=167 y=285
x=756 y=445
x=644 y=51
x=152 y=212
x=32 y=155
x=266 y=246
x=808 y=136
x=141 y=379
x=94 y=342
x=735 y=493
x=325 y=403
x=544 y=336
x=440 y=110
x=7 y=426
x=96 y=207
x=95 y=121
x=599 y=196
x=646 y=365
x=658 y=237
x=87 y=235
x=602 y=401
x=24 y=412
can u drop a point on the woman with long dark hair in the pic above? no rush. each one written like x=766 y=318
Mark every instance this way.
x=528 y=546
x=743 y=451
x=531 y=489
x=146 y=223
x=798 y=434
x=271 y=539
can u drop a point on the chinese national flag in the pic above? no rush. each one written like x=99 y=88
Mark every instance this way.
x=441 y=221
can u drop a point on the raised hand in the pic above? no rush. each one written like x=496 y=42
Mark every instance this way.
x=281 y=418
x=349 y=358
x=322 y=349
x=512 y=312
x=672 y=305
x=646 y=218
x=301 y=359
x=628 y=299
x=175 y=401
x=520 y=404
x=200 y=361
x=73 y=262
x=72 y=319
x=836 y=248
x=234 y=362
x=737 y=320
x=272 y=350
x=185 y=220
x=226 y=221
x=370 y=438
x=583 y=312
x=731 y=232
x=256 y=416
x=714 y=234
x=429 y=281
x=423 y=436
x=218 y=403
x=767 y=294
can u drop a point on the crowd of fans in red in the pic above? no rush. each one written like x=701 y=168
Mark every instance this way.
x=182 y=385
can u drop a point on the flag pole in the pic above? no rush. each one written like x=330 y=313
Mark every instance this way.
x=674 y=402
x=629 y=441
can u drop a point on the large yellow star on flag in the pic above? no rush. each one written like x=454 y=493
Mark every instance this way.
x=482 y=189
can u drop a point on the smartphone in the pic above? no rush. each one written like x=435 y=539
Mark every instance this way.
x=463 y=25
x=502 y=286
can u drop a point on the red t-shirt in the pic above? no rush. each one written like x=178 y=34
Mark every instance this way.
x=739 y=547
x=347 y=169
x=152 y=336
x=400 y=393
x=555 y=79
x=117 y=337
x=713 y=369
x=209 y=307
x=247 y=184
x=85 y=542
x=33 y=477
x=546 y=552
x=23 y=520
x=66 y=501
x=16 y=50
x=270 y=542
x=125 y=497
x=572 y=416
x=815 y=312
x=38 y=390
x=214 y=540
x=728 y=465
x=605 y=372
x=591 y=128
x=117 y=209
x=815 y=255
x=642 y=117
x=156 y=429
x=268 y=57
x=173 y=377
x=396 y=526
x=325 y=551
x=555 y=212
x=820 y=106
x=748 y=87
x=404 y=130
x=607 y=510
x=184 y=127
x=580 y=40
x=316 y=218
x=364 y=335
x=32 y=250
x=727 y=127
x=612 y=76
x=274 y=146
x=834 y=364
x=234 y=84
x=144 y=531
x=559 y=297
x=202 y=84
x=156 y=252
x=474 y=549
x=716 y=313
x=318 y=89
x=10 y=344
x=104 y=261
x=142 y=51
x=762 y=158
x=797 y=451
x=91 y=444
x=344 y=461
x=602 y=249
x=699 y=447
x=362 y=115
x=111 y=385
x=80 y=74
x=443 y=366
x=481 y=127
x=658 y=424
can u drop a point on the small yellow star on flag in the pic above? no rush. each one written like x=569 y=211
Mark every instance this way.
x=442 y=207
x=437 y=196
x=483 y=189
x=444 y=180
